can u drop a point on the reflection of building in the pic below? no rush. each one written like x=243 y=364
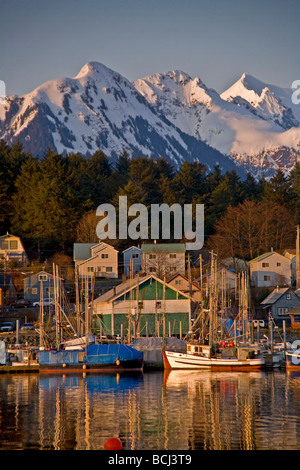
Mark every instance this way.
x=12 y=249
x=270 y=270
x=162 y=259
x=147 y=303
x=96 y=259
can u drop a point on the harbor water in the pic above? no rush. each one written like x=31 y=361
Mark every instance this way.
x=176 y=410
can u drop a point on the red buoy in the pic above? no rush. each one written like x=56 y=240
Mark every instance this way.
x=113 y=443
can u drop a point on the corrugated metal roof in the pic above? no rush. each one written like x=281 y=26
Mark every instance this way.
x=82 y=251
x=265 y=255
x=163 y=247
x=130 y=284
x=275 y=295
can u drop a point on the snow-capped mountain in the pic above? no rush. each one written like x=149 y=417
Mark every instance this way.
x=251 y=122
x=250 y=127
x=269 y=102
x=98 y=109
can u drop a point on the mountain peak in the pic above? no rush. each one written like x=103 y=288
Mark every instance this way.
x=91 y=68
x=252 y=83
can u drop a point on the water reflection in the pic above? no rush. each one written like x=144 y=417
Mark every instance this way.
x=179 y=410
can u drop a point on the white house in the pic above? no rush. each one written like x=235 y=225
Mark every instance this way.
x=132 y=257
x=163 y=259
x=99 y=260
x=270 y=270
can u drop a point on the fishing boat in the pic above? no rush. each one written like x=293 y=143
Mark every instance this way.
x=292 y=359
x=224 y=357
x=82 y=353
x=92 y=358
x=217 y=349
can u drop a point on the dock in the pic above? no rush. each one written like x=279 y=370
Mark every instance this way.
x=20 y=368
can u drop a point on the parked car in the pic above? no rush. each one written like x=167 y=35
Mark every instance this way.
x=45 y=303
x=20 y=303
x=27 y=326
x=7 y=326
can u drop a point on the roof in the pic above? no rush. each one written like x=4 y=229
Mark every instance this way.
x=274 y=296
x=163 y=247
x=266 y=255
x=132 y=248
x=130 y=284
x=8 y=235
x=82 y=250
x=43 y=272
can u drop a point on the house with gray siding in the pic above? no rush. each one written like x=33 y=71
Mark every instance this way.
x=42 y=282
x=132 y=256
x=278 y=304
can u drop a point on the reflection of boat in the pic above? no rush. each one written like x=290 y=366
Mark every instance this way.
x=93 y=358
x=205 y=357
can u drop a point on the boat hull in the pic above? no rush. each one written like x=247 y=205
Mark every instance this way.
x=292 y=360
x=95 y=358
x=173 y=360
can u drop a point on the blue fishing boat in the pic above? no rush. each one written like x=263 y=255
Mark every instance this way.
x=92 y=358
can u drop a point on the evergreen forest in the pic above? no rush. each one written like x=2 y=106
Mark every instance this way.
x=51 y=202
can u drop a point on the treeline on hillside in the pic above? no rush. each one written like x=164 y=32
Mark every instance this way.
x=51 y=202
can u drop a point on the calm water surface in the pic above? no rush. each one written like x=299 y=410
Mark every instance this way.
x=182 y=410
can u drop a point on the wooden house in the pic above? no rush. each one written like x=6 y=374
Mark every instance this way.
x=96 y=260
x=132 y=257
x=12 y=249
x=270 y=270
x=163 y=259
x=279 y=303
x=182 y=283
x=145 y=305
x=41 y=285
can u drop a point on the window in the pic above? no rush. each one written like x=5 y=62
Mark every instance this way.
x=90 y=269
x=135 y=255
x=104 y=255
x=43 y=277
x=158 y=304
x=13 y=244
x=267 y=278
x=172 y=255
x=49 y=290
x=178 y=282
x=278 y=264
x=152 y=256
x=108 y=269
x=172 y=269
x=282 y=310
x=152 y=270
x=32 y=290
x=140 y=304
x=4 y=245
x=288 y=296
x=265 y=265
x=99 y=269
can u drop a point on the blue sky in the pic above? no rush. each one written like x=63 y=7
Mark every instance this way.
x=216 y=40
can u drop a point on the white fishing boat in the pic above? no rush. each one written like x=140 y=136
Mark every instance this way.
x=223 y=358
